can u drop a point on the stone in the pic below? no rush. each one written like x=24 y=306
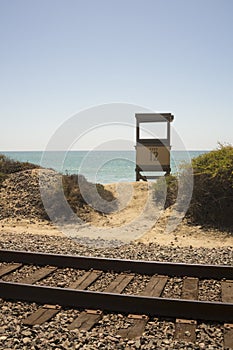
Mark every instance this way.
x=26 y=340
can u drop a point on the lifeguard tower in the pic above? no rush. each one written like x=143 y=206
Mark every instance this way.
x=152 y=151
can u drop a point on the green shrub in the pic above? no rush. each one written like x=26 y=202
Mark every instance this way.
x=212 y=199
x=90 y=193
x=9 y=166
x=2 y=178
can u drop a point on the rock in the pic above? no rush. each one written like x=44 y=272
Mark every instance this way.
x=3 y=337
x=26 y=333
x=26 y=340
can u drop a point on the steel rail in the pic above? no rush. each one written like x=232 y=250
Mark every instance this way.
x=163 y=307
x=119 y=265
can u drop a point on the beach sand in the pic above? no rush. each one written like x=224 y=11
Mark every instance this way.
x=133 y=202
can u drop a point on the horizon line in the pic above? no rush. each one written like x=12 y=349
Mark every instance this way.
x=100 y=150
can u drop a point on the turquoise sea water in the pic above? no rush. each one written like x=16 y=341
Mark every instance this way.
x=98 y=166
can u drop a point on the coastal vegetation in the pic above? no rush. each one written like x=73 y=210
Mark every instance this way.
x=9 y=166
x=212 y=199
x=211 y=202
x=79 y=191
x=21 y=195
x=212 y=196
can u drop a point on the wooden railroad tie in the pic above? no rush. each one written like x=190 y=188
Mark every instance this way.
x=38 y=275
x=186 y=329
x=46 y=312
x=154 y=288
x=7 y=269
x=227 y=297
x=88 y=318
x=31 y=279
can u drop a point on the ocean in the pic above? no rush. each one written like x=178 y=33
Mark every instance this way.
x=98 y=166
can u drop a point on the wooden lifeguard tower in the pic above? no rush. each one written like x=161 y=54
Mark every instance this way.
x=152 y=153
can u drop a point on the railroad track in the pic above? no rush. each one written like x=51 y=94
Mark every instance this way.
x=186 y=310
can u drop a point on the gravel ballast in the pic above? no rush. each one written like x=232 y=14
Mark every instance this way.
x=158 y=333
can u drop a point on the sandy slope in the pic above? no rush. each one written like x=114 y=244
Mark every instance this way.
x=132 y=200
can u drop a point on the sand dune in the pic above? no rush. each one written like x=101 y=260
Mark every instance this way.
x=22 y=212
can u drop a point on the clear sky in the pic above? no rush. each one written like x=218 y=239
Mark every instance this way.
x=61 y=56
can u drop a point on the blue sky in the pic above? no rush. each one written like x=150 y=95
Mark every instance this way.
x=61 y=56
